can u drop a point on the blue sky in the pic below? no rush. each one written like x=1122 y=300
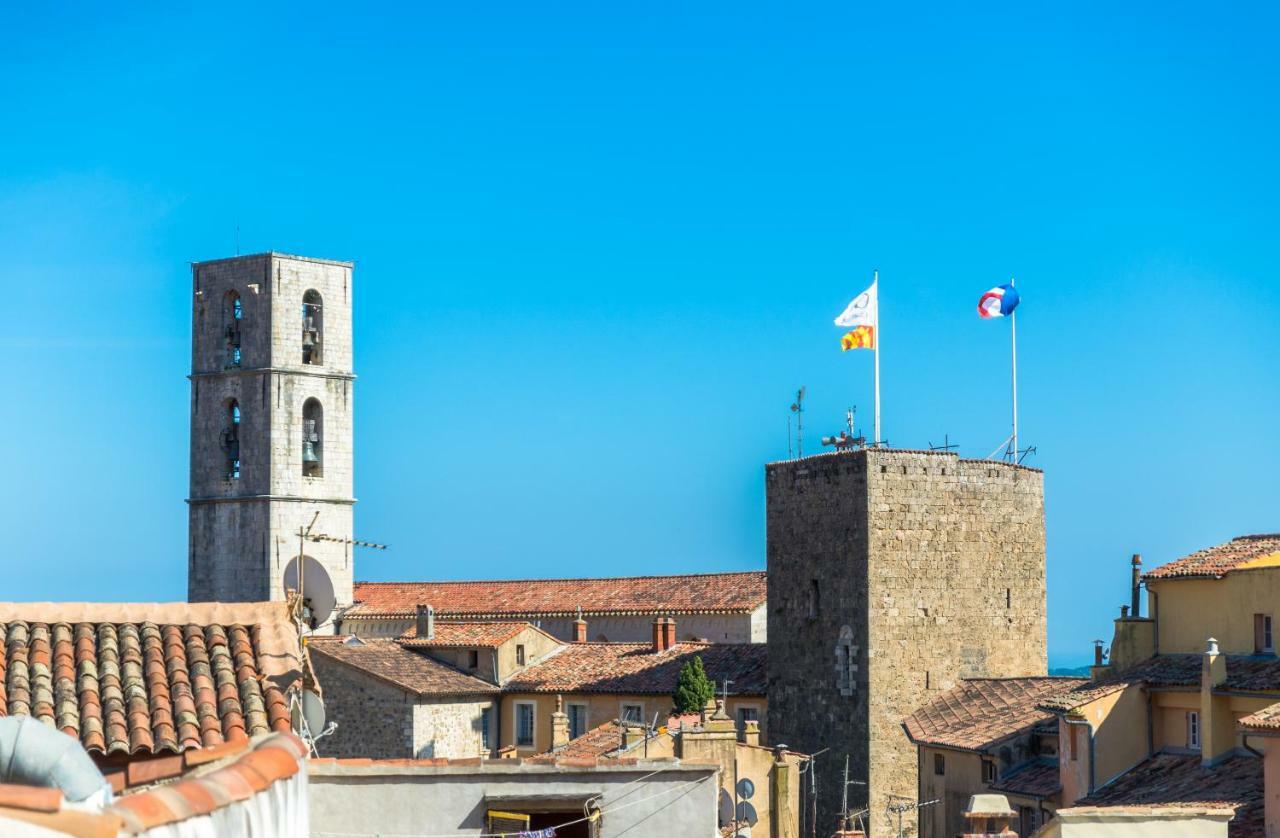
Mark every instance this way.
x=599 y=247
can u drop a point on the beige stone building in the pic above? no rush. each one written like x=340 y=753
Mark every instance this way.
x=892 y=576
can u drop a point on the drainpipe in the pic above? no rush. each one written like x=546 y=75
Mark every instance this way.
x=32 y=754
x=1244 y=740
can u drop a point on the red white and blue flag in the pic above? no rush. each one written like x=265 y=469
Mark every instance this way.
x=998 y=302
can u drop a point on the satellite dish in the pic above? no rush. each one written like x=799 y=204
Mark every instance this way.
x=311 y=710
x=316 y=587
x=747 y=814
x=725 y=808
x=746 y=788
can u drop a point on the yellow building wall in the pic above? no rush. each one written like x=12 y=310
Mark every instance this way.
x=962 y=776
x=1191 y=610
x=1119 y=728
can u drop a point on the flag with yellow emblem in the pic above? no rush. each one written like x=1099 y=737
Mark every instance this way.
x=863 y=314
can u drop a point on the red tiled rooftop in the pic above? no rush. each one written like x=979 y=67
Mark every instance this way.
x=1038 y=778
x=1245 y=673
x=142 y=687
x=1266 y=719
x=483 y=634
x=981 y=711
x=635 y=669
x=711 y=593
x=389 y=661
x=1216 y=562
x=1181 y=780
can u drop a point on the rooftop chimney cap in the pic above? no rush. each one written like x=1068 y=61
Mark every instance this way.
x=1213 y=646
x=1137 y=559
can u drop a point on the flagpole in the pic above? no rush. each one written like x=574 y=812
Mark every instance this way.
x=876 y=282
x=1013 y=330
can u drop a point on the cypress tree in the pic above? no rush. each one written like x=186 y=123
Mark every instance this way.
x=693 y=688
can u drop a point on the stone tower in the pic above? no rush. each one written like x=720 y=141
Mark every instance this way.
x=271 y=423
x=893 y=574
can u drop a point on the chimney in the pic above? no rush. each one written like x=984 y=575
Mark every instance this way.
x=708 y=710
x=751 y=732
x=579 y=629
x=1135 y=607
x=559 y=725
x=1217 y=727
x=664 y=633
x=426 y=622
x=1097 y=652
x=988 y=816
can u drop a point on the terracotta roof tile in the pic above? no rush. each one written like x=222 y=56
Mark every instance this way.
x=1216 y=562
x=634 y=668
x=1181 y=780
x=1266 y=719
x=1245 y=673
x=981 y=711
x=490 y=634
x=138 y=687
x=1036 y=778
x=389 y=661
x=712 y=593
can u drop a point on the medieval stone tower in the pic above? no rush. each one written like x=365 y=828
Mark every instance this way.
x=892 y=575
x=271 y=422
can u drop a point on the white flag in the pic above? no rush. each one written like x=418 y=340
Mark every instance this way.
x=863 y=311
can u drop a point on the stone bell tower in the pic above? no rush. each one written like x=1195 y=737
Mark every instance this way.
x=271 y=428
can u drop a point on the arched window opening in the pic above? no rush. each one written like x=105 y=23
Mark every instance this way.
x=312 y=328
x=312 y=439
x=231 y=441
x=232 y=315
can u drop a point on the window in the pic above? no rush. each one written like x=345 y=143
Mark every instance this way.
x=1193 y=729
x=312 y=439
x=939 y=764
x=747 y=714
x=633 y=713
x=988 y=771
x=312 y=327
x=231 y=441
x=813 y=599
x=577 y=720
x=473 y=658
x=1262 y=633
x=524 y=724
x=1027 y=820
x=1073 y=734
x=484 y=729
x=232 y=315
x=519 y=654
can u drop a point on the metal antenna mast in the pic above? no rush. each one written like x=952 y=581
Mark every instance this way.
x=797 y=407
x=908 y=805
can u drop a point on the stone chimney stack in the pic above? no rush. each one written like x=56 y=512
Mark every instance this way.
x=1135 y=607
x=579 y=629
x=1217 y=727
x=988 y=816
x=426 y=622
x=559 y=725
x=751 y=732
x=670 y=632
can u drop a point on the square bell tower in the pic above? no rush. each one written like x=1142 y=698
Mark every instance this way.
x=271 y=429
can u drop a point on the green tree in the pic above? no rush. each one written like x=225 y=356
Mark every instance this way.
x=693 y=688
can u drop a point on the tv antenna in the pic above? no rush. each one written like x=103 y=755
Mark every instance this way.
x=846 y=441
x=1011 y=453
x=845 y=816
x=947 y=444
x=797 y=407
x=907 y=805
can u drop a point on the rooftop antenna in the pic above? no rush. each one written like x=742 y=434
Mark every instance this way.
x=846 y=441
x=907 y=805
x=790 y=448
x=947 y=444
x=809 y=766
x=844 y=802
x=797 y=407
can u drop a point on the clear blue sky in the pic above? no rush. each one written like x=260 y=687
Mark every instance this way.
x=599 y=248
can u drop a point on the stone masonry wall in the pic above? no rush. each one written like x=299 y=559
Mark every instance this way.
x=957 y=589
x=375 y=719
x=243 y=531
x=451 y=728
x=816 y=520
x=925 y=568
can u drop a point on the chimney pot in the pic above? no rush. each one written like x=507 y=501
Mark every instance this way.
x=579 y=630
x=1136 y=587
x=1213 y=646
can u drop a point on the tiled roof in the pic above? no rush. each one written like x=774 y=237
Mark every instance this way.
x=1215 y=562
x=1038 y=778
x=711 y=593
x=635 y=669
x=1245 y=673
x=981 y=711
x=389 y=661
x=1181 y=780
x=1266 y=719
x=597 y=742
x=140 y=687
x=483 y=634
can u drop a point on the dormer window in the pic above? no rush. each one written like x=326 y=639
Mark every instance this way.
x=231 y=441
x=232 y=315
x=312 y=328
